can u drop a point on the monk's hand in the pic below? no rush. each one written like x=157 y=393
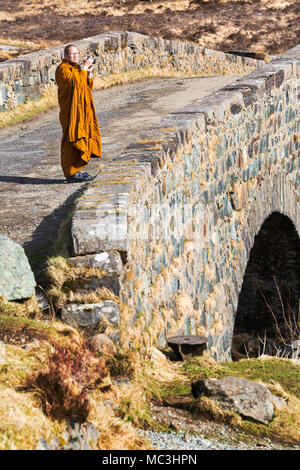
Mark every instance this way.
x=88 y=66
x=90 y=72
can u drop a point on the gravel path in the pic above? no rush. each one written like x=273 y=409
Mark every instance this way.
x=188 y=432
x=184 y=441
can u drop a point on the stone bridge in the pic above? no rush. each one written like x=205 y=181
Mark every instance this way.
x=184 y=204
x=182 y=208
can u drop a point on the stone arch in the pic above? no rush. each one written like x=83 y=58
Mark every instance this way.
x=268 y=298
x=274 y=194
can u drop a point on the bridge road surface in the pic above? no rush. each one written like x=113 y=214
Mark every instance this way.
x=35 y=198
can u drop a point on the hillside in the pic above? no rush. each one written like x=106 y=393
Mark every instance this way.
x=271 y=26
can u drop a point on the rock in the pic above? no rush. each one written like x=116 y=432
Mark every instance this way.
x=108 y=261
x=44 y=445
x=91 y=432
x=295 y=346
x=86 y=285
x=16 y=277
x=90 y=316
x=101 y=343
x=54 y=443
x=123 y=381
x=81 y=436
x=42 y=299
x=242 y=396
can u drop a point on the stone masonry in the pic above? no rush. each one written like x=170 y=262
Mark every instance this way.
x=182 y=206
x=25 y=77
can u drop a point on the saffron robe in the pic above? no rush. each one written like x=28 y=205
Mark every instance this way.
x=81 y=134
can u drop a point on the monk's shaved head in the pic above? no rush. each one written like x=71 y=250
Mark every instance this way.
x=71 y=54
x=67 y=48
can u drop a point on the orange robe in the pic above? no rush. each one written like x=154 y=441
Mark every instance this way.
x=81 y=133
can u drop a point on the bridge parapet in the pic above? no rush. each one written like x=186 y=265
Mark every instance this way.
x=25 y=77
x=183 y=205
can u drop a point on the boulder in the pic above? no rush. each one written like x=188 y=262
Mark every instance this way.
x=103 y=344
x=248 y=398
x=90 y=316
x=16 y=277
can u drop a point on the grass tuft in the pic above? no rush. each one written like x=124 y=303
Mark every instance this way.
x=63 y=388
x=29 y=109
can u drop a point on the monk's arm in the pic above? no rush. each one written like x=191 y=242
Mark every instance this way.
x=90 y=81
x=64 y=76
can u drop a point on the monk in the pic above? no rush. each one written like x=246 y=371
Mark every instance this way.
x=81 y=134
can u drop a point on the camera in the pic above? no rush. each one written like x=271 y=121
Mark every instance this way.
x=89 y=57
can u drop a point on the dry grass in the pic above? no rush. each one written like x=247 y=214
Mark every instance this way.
x=118 y=403
x=115 y=433
x=63 y=388
x=217 y=24
x=111 y=8
x=28 y=308
x=33 y=405
x=22 y=422
x=123 y=78
x=210 y=410
x=145 y=371
x=286 y=425
x=30 y=109
x=42 y=384
x=60 y=272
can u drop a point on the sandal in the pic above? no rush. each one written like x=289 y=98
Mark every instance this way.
x=79 y=177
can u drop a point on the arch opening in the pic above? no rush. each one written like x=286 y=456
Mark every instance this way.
x=267 y=319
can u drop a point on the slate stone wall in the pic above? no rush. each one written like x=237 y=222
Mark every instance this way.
x=25 y=77
x=183 y=205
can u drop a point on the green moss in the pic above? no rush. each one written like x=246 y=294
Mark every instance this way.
x=13 y=329
x=139 y=413
x=175 y=389
x=120 y=365
x=282 y=371
x=196 y=370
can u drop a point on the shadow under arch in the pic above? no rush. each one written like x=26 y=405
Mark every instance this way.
x=267 y=317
